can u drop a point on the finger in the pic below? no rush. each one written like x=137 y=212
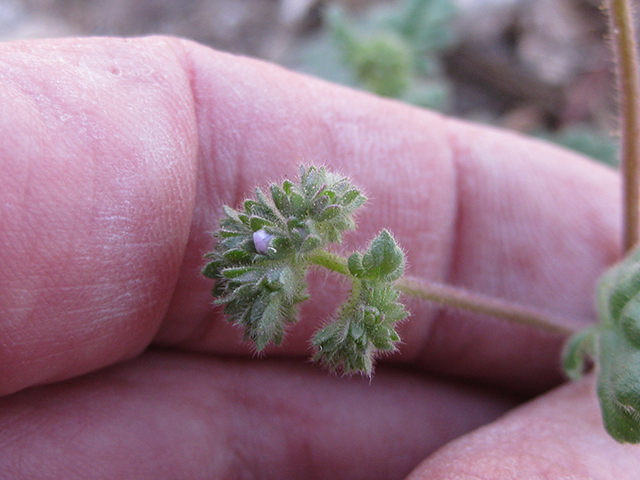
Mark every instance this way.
x=183 y=416
x=557 y=436
x=96 y=197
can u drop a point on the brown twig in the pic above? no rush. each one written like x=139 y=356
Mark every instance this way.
x=626 y=54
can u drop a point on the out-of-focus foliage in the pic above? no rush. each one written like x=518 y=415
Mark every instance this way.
x=393 y=52
x=588 y=141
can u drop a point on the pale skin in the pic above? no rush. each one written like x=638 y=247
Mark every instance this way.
x=117 y=156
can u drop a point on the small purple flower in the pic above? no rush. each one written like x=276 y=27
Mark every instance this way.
x=261 y=240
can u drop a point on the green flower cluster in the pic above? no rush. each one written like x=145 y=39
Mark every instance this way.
x=365 y=324
x=615 y=346
x=260 y=258
x=262 y=255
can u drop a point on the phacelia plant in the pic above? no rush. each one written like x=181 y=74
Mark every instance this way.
x=264 y=251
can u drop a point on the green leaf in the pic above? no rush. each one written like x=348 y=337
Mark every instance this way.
x=265 y=212
x=355 y=265
x=362 y=328
x=615 y=345
x=248 y=205
x=271 y=281
x=265 y=321
x=630 y=321
x=330 y=212
x=627 y=285
x=234 y=272
x=230 y=212
x=237 y=255
x=261 y=197
x=288 y=186
x=212 y=270
x=224 y=233
x=310 y=180
x=282 y=247
x=382 y=339
x=297 y=202
x=330 y=194
x=340 y=345
x=618 y=285
x=292 y=281
x=384 y=259
x=312 y=242
x=257 y=223
x=619 y=387
x=348 y=197
x=319 y=204
x=230 y=228
x=393 y=336
x=356 y=330
x=281 y=200
x=576 y=352
x=246 y=292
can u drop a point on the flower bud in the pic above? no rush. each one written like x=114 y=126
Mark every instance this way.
x=261 y=240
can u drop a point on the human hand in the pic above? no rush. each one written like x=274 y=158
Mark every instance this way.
x=117 y=156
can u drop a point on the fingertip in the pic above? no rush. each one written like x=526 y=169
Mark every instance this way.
x=96 y=195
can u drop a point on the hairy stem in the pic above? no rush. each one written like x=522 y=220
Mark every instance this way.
x=625 y=51
x=330 y=261
x=463 y=299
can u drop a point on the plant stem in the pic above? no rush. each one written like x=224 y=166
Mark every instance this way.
x=463 y=299
x=331 y=261
x=625 y=51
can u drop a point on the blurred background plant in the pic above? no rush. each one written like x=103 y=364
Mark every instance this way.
x=541 y=67
x=393 y=51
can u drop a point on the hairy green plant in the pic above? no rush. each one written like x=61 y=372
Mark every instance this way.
x=264 y=251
